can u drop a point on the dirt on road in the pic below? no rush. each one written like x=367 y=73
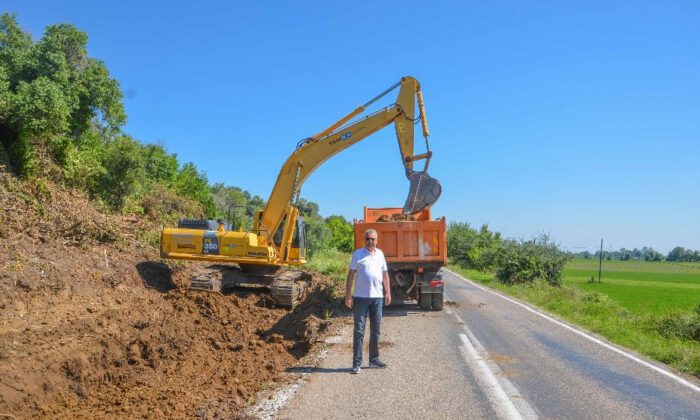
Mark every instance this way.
x=93 y=324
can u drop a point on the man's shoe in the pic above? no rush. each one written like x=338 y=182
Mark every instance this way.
x=377 y=364
x=355 y=370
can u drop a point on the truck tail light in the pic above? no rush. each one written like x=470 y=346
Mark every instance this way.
x=436 y=283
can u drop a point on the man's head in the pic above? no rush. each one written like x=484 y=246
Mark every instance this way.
x=370 y=239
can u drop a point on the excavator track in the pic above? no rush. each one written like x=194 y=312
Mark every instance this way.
x=289 y=288
x=286 y=289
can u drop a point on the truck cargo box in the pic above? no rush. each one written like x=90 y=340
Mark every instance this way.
x=417 y=242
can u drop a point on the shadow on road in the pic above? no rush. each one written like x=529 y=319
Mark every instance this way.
x=313 y=369
x=402 y=310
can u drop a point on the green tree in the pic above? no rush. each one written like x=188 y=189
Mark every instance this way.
x=472 y=248
x=51 y=92
x=342 y=234
x=307 y=208
x=317 y=235
x=124 y=168
x=159 y=165
x=233 y=202
x=194 y=185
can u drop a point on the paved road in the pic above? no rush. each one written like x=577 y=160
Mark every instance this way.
x=487 y=356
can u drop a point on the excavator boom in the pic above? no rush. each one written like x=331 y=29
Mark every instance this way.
x=313 y=151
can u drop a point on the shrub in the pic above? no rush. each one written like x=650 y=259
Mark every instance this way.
x=680 y=324
x=472 y=249
x=342 y=235
x=194 y=184
x=317 y=235
x=124 y=169
x=526 y=262
x=164 y=205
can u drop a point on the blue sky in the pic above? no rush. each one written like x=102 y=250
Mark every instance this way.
x=581 y=120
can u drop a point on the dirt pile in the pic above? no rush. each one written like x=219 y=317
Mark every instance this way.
x=93 y=325
x=396 y=217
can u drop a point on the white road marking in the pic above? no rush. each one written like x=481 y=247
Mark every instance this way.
x=589 y=337
x=499 y=390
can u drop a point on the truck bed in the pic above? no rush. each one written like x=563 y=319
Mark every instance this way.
x=420 y=242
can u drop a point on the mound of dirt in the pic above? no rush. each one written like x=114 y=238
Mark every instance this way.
x=396 y=217
x=93 y=325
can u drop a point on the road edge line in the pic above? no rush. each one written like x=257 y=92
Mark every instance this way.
x=500 y=389
x=583 y=334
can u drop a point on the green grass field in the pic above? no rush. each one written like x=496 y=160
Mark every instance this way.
x=641 y=286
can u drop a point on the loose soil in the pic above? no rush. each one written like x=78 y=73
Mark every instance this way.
x=396 y=217
x=94 y=325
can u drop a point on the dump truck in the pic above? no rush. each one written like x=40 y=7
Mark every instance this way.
x=415 y=248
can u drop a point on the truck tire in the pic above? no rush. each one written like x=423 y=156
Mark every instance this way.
x=437 y=300
x=425 y=301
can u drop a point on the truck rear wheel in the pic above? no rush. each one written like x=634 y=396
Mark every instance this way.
x=437 y=300
x=425 y=301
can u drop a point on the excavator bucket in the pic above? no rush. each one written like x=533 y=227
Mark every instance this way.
x=423 y=192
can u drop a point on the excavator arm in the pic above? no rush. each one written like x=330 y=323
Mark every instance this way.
x=315 y=150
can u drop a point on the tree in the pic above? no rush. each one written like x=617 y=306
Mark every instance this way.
x=193 y=184
x=342 y=233
x=233 y=201
x=473 y=249
x=51 y=90
x=307 y=208
x=124 y=167
x=159 y=166
x=651 y=254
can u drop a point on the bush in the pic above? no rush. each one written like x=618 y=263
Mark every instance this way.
x=472 y=249
x=526 y=262
x=342 y=235
x=317 y=235
x=194 y=184
x=124 y=170
x=164 y=205
x=681 y=325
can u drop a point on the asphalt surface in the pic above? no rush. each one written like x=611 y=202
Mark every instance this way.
x=489 y=357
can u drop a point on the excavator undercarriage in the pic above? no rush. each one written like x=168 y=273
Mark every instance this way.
x=286 y=288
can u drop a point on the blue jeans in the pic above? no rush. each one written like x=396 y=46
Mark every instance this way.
x=363 y=307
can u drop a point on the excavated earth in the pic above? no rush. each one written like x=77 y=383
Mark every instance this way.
x=94 y=325
x=396 y=217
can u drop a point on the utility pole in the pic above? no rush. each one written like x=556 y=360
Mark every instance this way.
x=600 y=262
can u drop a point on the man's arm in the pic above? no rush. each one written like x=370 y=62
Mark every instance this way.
x=348 y=288
x=387 y=288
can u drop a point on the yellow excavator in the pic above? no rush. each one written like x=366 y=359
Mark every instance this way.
x=277 y=238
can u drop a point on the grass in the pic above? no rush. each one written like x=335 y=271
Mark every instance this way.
x=648 y=307
x=643 y=287
x=332 y=263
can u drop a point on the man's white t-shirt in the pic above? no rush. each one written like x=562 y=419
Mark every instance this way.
x=370 y=268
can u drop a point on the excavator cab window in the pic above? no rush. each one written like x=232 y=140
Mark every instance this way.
x=280 y=232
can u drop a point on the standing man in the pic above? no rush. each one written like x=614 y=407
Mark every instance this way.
x=371 y=292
